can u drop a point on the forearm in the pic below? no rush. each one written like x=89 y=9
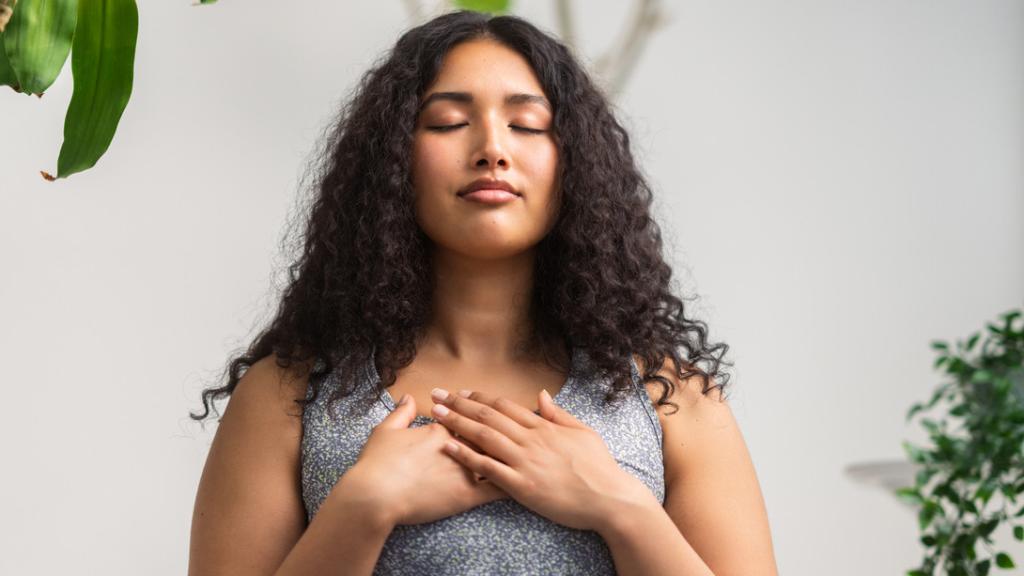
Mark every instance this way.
x=645 y=541
x=345 y=537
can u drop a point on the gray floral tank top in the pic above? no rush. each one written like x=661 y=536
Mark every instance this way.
x=501 y=537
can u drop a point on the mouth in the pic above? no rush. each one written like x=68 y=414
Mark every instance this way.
x=489 y=196
x=488 y=185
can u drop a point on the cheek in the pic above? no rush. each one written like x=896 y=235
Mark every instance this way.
x=541 y=162
x=541 y=166
x=431 y=161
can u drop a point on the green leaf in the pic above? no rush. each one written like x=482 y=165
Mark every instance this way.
x=1004 y=561
x=909 y=495
x=492 y=6
x=986 y=528
x=913 y=452
x=972 y=341
x=914 y=410
x=981 y=376
x=924 y=475
x=939 y=345
x=102 y=63
x=984 y=492
x=1018 y=532
x=7 y=75
x=37 y=41
x=927 y=514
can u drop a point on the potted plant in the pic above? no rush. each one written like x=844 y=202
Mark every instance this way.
x=977 y=452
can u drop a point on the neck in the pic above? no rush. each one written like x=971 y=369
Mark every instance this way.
x=481 y=309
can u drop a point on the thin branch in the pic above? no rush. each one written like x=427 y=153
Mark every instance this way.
x=620 y=59
x=414 y=11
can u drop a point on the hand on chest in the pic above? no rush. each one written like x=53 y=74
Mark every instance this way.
x=521 y=385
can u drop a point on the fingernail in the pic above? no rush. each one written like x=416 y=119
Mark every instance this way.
x=405 y=398
x=465 y=393
x=440 y=410
x=545 y=393
x=439 y=394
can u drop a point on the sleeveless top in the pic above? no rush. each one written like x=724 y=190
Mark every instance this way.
x=501 y=536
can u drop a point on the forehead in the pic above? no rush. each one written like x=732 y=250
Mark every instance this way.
x=484 y=69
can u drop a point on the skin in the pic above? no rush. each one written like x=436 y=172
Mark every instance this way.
x=249 y=517
x=483 y=255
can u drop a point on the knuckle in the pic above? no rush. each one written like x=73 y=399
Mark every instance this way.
x=502 y=403
x=484 y=435
x=486 y=413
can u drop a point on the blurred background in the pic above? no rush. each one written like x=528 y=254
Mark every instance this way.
x=839 y=183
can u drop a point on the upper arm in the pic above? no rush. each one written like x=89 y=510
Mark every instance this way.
x=711 y=488
x=248 y=511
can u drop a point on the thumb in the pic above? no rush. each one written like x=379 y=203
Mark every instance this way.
x=553 y=412
x=402 y=415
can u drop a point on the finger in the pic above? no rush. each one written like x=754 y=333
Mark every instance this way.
x=554 y=412
x=483 y=465
x=485 y=414
x=464 y=440
x=477 y=423
x=521 y=414
x=402 y=415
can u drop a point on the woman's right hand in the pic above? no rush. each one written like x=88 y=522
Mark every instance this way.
x=408 y=473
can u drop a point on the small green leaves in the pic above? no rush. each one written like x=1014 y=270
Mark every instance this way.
x=909 y=495
x=492 y=6
x=37 y=41
x=976 y=452
x=102 y=63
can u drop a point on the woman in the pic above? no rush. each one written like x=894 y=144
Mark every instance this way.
x=480 y=227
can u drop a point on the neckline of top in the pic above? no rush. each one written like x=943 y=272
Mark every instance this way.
x=389 y=402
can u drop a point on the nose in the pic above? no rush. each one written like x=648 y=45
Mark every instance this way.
x=491 y=150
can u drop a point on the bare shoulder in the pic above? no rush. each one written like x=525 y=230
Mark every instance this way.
x=275 y=385
x=248 y=511
x=692 y=404
x=712 y=491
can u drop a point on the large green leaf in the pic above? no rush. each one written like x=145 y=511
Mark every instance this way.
x=102 y=64
x=37 y=40
x=492 y=6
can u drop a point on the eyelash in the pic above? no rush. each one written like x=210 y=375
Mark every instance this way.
x=454 y=126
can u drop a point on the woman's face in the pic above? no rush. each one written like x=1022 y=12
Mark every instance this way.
x=489 y=96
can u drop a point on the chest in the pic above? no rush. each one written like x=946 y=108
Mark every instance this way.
x=521 y=384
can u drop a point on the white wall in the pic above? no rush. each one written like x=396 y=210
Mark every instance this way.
x=840 y=182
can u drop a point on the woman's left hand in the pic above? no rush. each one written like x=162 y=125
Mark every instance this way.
x=550 y=463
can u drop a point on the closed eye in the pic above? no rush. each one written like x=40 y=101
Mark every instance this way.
x=451 y=127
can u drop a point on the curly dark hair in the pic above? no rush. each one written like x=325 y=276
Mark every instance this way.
x=362 y=284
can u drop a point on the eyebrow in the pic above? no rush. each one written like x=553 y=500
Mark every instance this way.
x=467 y=98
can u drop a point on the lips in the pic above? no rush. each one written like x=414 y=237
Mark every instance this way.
x=489 y=196
x=488 y=184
